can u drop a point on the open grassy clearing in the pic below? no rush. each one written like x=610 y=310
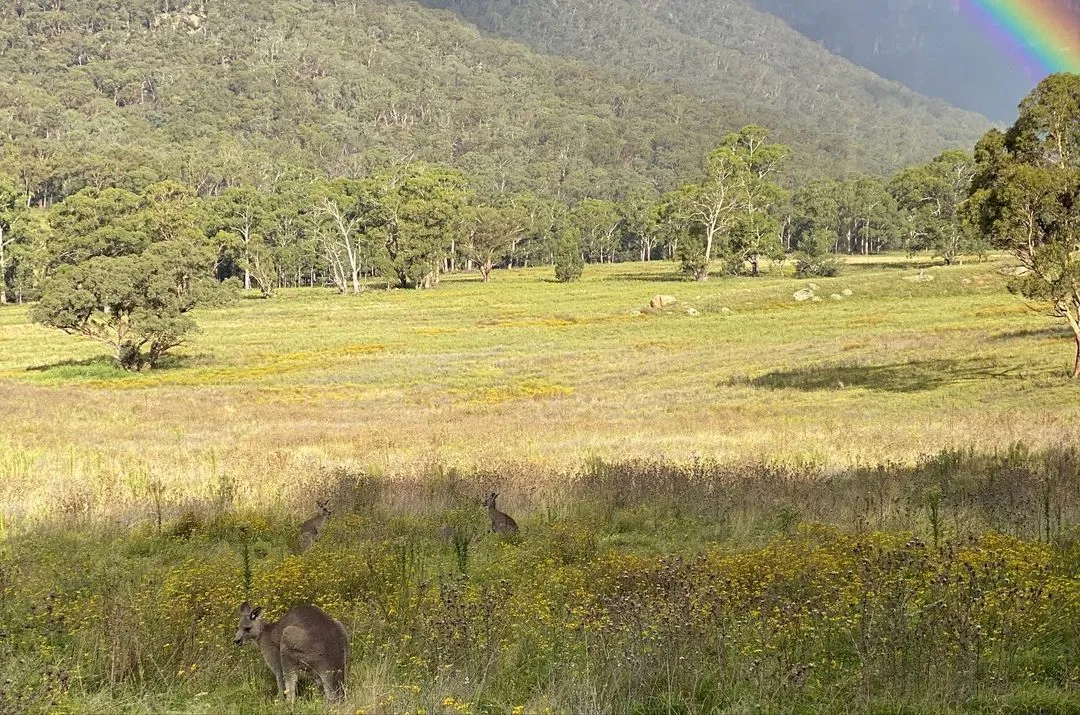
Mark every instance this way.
x=524 y=369
x=722 y=512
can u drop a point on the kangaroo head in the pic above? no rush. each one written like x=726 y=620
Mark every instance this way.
x=324 y=507
x=490 y=500
x=251 y=624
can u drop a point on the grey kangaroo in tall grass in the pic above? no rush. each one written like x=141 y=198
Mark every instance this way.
x=312 y=529
x=305 y=638
x=501 y=522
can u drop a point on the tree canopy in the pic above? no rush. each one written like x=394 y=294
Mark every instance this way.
x=137 y=305
x=729 y=212
x=123 y=94
x=1027 y=197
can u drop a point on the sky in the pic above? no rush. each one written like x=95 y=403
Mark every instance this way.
x=983 y=55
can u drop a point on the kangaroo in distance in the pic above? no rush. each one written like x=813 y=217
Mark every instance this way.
x=312 y=529
x=501 y=522
x=305 y=638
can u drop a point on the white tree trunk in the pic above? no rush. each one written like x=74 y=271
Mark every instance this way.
x=3 y=267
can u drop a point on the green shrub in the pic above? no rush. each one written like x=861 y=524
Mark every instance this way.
x=569 y=263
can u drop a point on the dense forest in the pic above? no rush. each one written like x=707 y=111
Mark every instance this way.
x=730 y=52
x=931 y=46
x=215 y=94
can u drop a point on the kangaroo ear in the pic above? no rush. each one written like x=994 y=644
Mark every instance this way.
x=255 y=613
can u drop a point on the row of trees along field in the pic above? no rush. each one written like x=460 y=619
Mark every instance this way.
x=410 y=223
x=126 y=265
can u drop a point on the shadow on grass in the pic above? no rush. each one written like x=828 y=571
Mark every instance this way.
x=103 y=367
x=898 y=265
x=1053 y=331
x=655 y=277
x=95 y=364
x=913 y=376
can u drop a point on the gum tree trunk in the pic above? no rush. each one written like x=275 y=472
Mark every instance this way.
x=1076 y=362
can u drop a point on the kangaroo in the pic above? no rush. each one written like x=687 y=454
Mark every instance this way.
x=312 y=529
x=501 y=523
x=305 y=638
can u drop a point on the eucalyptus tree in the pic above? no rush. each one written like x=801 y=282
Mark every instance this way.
x=1026 y=197
x=932 y=199
x=11 y=207
x=490 y=232
x=132 y=279
x=347 y=216
x=418 y=207
x=597 y=221
x=243 y=212
x=738 y=188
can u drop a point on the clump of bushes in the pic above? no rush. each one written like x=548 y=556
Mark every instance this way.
x=813 y=259
x=569 y=261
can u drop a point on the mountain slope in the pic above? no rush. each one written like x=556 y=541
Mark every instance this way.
x=117 y=91
x=728 y=50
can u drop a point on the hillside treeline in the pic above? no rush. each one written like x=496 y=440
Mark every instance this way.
x=407 y=224
x=129 y=92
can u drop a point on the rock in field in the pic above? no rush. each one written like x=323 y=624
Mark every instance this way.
x=662 y=301
x=803 y=294
x=836 y=296
x=692 y=311
x=846 y=292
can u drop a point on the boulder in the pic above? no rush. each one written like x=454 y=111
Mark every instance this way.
x=836 y=296
x=846 y=292
x=803 y=294
x=692 y=311
x=662 y=301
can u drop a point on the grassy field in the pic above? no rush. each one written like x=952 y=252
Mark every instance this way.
x=527 y=369
x=740 y=503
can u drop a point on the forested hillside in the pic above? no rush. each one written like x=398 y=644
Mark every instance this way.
x=926 y=44
x=731 y=52
x=130 y=91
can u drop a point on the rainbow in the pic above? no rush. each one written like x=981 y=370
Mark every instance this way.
x=1043 y=36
